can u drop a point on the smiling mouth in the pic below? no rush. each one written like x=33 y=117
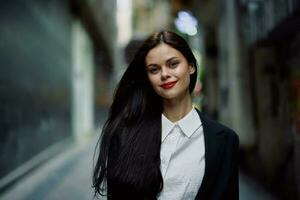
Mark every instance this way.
x=168 y=85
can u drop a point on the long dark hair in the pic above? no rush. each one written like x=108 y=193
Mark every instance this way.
x=129 y=153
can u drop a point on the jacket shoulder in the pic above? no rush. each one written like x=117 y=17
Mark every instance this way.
x=217 y=127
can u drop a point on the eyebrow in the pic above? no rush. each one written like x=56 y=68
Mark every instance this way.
x=151 y=65
x=167 y=61
x=170 y=59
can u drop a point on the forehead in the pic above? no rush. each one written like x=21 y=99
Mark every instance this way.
x=161 y=53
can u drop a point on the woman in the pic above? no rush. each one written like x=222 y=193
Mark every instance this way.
x=154 y=144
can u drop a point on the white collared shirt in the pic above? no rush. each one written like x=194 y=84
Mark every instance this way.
x=182 y=157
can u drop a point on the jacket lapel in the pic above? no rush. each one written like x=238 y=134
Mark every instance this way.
x=214 y=146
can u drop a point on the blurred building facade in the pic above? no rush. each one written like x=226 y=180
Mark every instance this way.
x=270 y=32
x=35 y=79
x=56 y=65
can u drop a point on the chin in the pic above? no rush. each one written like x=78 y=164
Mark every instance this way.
x=170 y=96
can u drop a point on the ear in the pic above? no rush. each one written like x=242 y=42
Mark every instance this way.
x=192 y=68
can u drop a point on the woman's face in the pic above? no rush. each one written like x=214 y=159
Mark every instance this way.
x=168 y=71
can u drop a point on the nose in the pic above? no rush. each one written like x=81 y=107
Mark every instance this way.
x=164 y=73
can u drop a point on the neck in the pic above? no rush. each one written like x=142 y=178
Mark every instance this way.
x=176 y=109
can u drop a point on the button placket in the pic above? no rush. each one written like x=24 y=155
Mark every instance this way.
x=168 y=148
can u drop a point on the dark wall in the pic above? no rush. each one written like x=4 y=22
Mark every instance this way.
x=35 y=75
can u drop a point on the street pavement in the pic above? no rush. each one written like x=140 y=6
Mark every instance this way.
x=68 y=176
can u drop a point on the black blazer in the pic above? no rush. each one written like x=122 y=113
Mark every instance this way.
x=220 y=181
x=221 y=177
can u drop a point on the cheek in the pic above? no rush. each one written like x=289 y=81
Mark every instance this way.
x=183 y=74
x=185 y=80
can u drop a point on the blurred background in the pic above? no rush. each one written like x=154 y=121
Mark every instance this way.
x=61 y=60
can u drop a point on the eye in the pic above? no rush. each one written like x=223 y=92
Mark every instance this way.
x=173 y=64
x=153 y=70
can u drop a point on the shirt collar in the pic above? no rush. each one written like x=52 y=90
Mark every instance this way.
x=188 y=124
x=166 y=127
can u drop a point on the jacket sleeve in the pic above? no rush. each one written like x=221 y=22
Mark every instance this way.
x=233 y=185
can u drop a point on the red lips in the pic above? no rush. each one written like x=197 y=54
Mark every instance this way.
x=168 y=85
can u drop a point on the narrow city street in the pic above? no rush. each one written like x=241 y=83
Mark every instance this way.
x=68 y=176
x=66 y=65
